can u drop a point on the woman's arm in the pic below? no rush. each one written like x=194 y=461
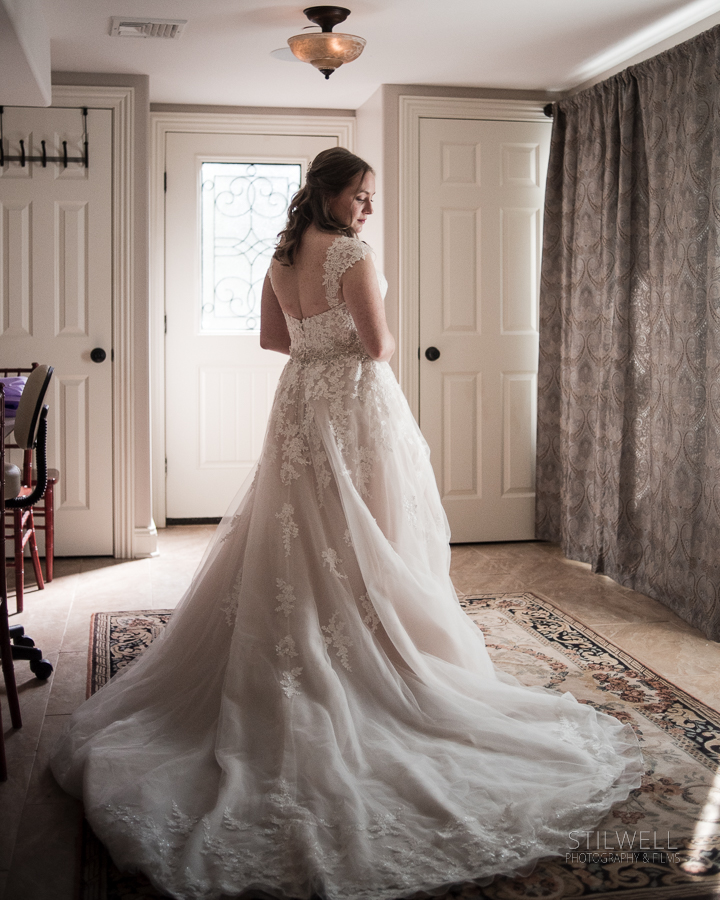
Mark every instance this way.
x=274 y=334
x=363 y=299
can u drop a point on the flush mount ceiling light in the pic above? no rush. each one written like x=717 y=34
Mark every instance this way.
x=326 y=51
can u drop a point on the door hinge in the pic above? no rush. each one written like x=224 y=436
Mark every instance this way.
x=165 y=182
x=165 y=318
x=166 y=465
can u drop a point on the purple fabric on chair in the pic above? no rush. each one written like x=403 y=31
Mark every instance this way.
x=13 y=391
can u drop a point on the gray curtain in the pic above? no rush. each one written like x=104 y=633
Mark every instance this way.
x=628 y=475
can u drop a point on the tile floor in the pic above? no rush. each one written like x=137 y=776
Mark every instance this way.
x=39 y=824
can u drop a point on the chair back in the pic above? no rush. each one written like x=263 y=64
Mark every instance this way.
x=31 y=401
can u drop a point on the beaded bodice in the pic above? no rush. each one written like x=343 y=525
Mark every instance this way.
x=331 y=334
x=324 y=337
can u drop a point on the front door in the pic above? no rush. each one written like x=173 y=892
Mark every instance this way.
x=481 y=189
x=226 y=201
x=56 y=298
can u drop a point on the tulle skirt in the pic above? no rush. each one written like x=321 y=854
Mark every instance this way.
x=319 y=716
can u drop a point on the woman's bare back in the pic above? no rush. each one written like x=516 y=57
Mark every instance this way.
x=299 y=288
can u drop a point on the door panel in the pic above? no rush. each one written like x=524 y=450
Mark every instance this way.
x=219 y=385
x=56 y=299
x=480 y=217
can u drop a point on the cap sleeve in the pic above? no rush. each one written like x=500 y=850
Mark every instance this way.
x=342 y=253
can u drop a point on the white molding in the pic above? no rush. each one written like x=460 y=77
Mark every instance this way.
x=121 y=100
x=412 y=110
x=162 y=123
x=619 y=56
x=145 y=542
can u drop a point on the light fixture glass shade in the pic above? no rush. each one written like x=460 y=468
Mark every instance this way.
x=326 y=51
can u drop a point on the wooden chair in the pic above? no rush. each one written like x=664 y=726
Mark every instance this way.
x=30 y=415
x=44 y=511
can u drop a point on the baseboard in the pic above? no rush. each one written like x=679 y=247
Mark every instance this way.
x=145 y=542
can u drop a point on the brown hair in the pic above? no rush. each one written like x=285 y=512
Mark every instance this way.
x=328 y=175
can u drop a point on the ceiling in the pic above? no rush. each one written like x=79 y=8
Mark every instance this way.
x=223 y=56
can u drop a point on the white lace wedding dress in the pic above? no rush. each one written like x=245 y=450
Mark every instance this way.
x=320 y=716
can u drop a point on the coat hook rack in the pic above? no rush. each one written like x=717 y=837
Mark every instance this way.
x=44 y=159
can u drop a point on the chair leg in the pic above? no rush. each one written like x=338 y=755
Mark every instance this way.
x=19 y=562
x=49 y=530
x=34 y=551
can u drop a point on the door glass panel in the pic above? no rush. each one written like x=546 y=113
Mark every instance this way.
x=244 y=206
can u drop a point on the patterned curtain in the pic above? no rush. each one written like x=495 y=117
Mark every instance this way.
x=629 y=390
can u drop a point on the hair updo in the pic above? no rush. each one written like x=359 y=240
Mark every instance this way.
x=328 y=175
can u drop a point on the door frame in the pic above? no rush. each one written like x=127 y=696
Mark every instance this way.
x=162 y=123
x=412 y=109
x=121 y=101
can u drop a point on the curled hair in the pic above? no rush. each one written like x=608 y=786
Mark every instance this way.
x=329 y=174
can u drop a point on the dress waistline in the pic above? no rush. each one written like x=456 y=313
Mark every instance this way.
x=334 y=354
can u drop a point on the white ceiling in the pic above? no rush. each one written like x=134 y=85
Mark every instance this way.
x=223 y=56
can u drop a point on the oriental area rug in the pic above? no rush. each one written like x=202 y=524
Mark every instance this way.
x=663 y=842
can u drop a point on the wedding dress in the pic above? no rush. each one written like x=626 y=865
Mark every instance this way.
x=320 y=716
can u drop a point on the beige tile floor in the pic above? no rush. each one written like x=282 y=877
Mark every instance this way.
x=39 y=825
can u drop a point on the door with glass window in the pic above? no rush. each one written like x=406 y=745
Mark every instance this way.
x=226 y=201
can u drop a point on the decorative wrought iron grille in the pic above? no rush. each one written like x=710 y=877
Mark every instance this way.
x=244 y=206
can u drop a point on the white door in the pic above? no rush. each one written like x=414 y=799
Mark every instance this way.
x=56 y=298
x=226 y=200
x=481 y=189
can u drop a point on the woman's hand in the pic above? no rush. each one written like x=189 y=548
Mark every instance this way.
x=361 y=293
x=274 y=334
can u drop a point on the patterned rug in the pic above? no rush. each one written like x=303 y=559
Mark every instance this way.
x=663 y=842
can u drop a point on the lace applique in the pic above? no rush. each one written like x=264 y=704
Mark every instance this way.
x=289 y=526
x=337 y=637
x=232 y=824
x=286 y=647
x=382 y=825
x=294 y=451
x=332 y=561
x=286 y=598
x=411 y=508
x=323 y=478
x=348 y=537
x=371 y=618
x=570 y=731
x=342 y=253
x=363 y=470
x=178 y=823
x=286 y=843
x=230 y=607
x=289 y=682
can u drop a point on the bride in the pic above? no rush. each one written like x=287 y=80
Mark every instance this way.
x=320 y=717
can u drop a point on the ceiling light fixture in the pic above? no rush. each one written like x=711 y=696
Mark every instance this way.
x=326 y=51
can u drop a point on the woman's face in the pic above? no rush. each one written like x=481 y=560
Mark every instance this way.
x=354 y=204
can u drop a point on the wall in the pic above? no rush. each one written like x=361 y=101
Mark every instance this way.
x=653 y=50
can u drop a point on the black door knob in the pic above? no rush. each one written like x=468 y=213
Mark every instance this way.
x=432 y=353
x=98 y=355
